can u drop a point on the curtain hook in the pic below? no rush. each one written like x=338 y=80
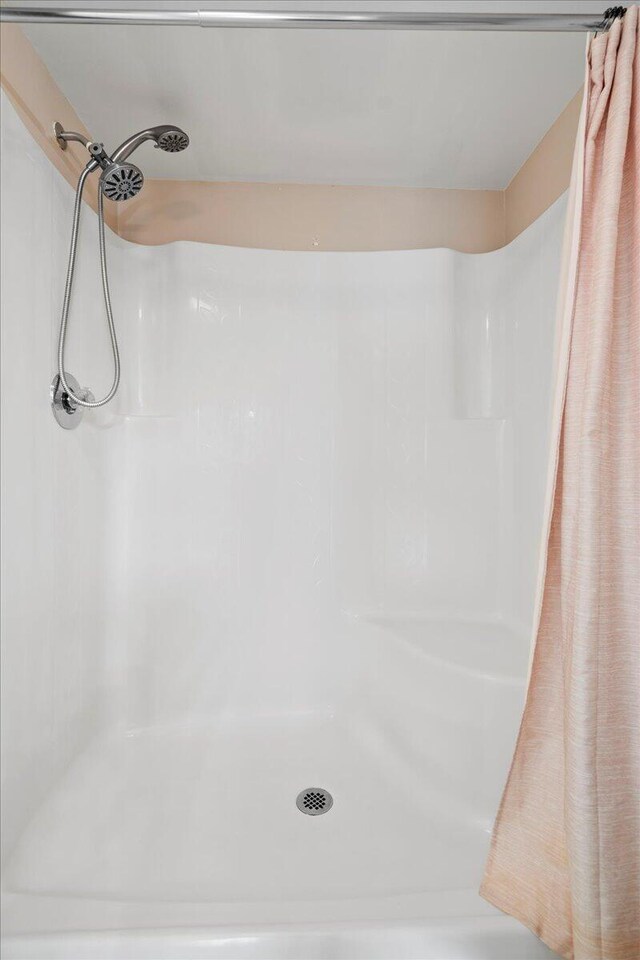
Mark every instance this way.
x=603 y=23
x=609 y=17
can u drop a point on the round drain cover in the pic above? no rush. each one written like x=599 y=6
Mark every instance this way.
x=314 y=801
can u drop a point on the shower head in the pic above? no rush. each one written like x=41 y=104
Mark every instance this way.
x=121 y=181
x=173 y=140
x=167 y=137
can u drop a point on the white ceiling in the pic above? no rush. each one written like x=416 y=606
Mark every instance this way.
x=454 y=109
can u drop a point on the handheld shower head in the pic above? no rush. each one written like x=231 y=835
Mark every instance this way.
x=121 y=181
x=118 y=181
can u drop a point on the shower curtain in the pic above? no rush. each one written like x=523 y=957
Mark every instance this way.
x=565 y=853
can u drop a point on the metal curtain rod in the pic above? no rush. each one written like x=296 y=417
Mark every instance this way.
x=566 y=22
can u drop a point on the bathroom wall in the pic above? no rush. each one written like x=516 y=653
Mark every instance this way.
x=55 y=508
x=504 y=320
x=39 y=102
x=314 y=435
x=545 y=175
x=291 y=216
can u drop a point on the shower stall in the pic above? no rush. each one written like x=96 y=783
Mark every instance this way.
x=267 y=614
x=296 y=553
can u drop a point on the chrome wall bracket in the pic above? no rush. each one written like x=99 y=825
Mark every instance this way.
x=58 y=130
x=68 y=414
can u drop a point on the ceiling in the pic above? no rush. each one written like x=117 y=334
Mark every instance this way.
x=455 y=109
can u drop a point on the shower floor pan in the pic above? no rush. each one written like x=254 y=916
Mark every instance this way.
x=185 y=842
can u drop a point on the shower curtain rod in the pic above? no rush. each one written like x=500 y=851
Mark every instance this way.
x=566 y=22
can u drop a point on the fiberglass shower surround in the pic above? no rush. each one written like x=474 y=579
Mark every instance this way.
x=296 y=551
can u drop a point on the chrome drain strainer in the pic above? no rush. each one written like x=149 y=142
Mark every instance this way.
x=314 y=801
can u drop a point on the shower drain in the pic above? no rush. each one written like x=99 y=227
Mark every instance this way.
x=314 y=801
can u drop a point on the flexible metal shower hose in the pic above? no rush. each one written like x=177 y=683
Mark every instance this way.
x=105 y=289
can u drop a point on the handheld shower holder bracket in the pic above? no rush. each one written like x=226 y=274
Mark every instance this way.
x=68 y=414
x=99 y=154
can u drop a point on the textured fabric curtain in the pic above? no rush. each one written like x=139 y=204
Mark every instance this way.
x=565 y=854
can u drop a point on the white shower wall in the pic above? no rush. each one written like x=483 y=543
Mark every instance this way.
x=317 y=497
x=309 y=435
x=55 y=579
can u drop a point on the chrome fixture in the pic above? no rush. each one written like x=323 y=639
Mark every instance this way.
x=167 y=138
x=67 y=413
x=119 y=181
x=336 y=19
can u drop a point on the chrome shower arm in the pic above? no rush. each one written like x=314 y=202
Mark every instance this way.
x=99 y=157
x=66 y=136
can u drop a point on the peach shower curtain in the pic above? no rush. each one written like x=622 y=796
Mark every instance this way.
x=565 y=854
